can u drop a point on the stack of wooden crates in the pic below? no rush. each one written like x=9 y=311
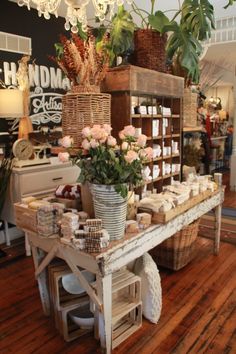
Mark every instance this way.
x=126 y=304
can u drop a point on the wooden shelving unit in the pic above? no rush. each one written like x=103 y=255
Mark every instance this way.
x=132 y=86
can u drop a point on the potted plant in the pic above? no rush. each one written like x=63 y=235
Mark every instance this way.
x=183 y=45
x=110 y=170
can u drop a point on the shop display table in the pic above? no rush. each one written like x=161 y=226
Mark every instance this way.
x=117 y=255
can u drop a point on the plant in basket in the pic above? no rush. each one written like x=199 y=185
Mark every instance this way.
x=110 y=170
x=183 y=45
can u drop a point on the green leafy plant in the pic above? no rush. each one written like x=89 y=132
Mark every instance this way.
x=102 y=161
x=183 y=46
x=119 y=31
x=230 y=2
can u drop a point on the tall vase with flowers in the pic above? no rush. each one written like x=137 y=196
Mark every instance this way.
x=110 y=170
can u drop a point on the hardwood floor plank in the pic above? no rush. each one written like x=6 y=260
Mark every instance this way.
x=198 y=314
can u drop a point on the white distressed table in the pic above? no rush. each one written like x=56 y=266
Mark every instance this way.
x=117 y=255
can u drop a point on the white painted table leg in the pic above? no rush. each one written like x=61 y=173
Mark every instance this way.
x=38 y=256
x=6 y=232
x=104 y=290
x=217 y=212
x=27 y=245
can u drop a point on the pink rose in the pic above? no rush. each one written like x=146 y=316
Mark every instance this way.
x=66 y=141
x=86 y=132
x=96 y=132
x=149 y=153
x=85 y=144
x=129 y=130
x=121 y=135
x=124 y=145
x=63 y=156
x=107 y=128
x=131 y=156
x=141 y=141
x=94 y=143
x=111 y=141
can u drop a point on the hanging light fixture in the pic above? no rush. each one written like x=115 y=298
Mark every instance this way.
x=76 y=10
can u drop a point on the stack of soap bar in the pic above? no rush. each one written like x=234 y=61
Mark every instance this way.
x=69 y=224
x=96 y=238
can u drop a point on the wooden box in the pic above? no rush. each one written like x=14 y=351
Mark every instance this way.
x=164 y=217
x=141 y=80
x=126 y=305
x=25 y=218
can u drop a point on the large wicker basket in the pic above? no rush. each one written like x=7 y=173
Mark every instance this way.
x=84 y=109
x=149 y=50
x=178 y=250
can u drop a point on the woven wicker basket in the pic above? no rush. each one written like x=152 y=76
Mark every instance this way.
x=189 y=108
x=84 y=109
x=149 y=50
x=178 y=250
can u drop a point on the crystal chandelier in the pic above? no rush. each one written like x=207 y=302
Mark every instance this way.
x=76 y=10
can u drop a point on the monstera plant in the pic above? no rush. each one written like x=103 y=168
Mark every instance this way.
x=119 y=31
x=183 y=45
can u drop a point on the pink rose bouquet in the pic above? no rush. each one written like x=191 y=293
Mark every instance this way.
x=102 y=161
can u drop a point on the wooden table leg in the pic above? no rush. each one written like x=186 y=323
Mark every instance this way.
x=38 y=256
x=27 y=245
x=104 y=290
x=217 y=212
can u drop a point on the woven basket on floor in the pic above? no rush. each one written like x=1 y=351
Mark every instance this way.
x=149 y=50
x=84 y=109
x=178 y=250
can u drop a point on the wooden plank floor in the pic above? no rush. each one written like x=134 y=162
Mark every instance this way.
x=198 y=316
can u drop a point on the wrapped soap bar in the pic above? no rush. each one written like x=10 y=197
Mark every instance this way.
x=131 y=226
x=144 y=220
x=83 y=216
x=94 y=222
x=37 y=204
x=27 y=200
x=95 y=234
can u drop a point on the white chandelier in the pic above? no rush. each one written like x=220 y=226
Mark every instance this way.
x=76 y=10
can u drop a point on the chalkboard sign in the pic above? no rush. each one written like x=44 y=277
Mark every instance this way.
x=47 y=82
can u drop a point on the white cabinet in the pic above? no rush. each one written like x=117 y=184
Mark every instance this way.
x=37 y=181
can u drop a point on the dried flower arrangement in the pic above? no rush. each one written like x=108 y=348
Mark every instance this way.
x=82 y=62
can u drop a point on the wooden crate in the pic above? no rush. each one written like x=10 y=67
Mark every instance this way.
x=141 y=80
x=162 y=218
x=25 y=218
x=126 y=305
x=71 y=330
x=63 y=302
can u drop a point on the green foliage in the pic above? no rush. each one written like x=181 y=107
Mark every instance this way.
x=198 y=18
x=186 y=49
x=230 y=3
x=122 y=30
x=158 y=21
x=107 y=166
